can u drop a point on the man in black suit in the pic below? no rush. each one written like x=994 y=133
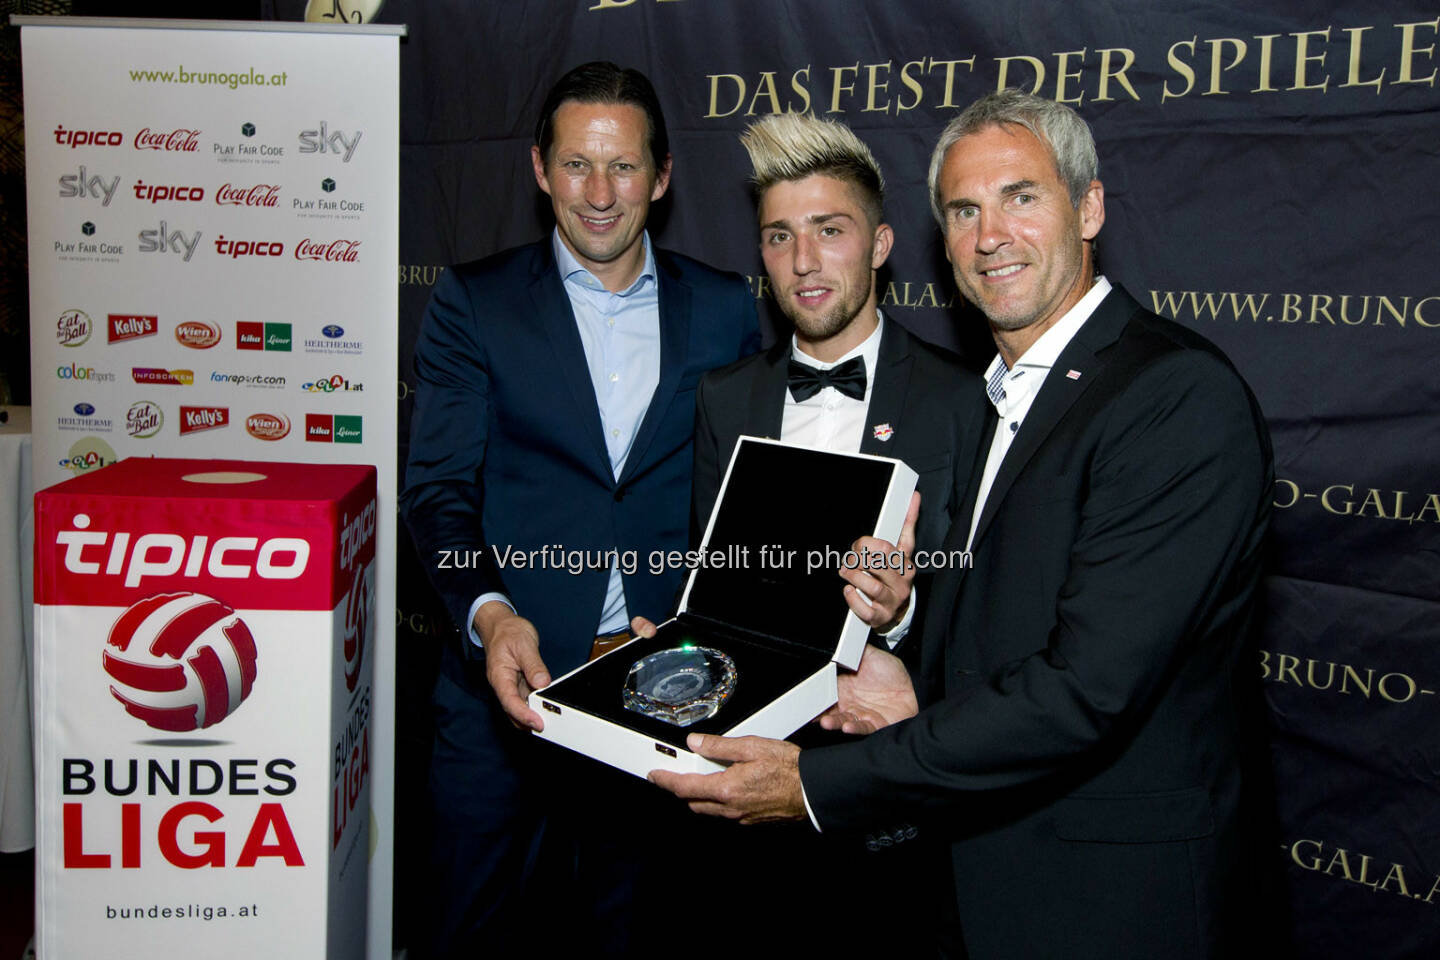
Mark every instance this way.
x=820 y=199
x=1082 y=689
x=549 y=456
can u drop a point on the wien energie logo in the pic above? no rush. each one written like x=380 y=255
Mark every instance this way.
x=180 y=661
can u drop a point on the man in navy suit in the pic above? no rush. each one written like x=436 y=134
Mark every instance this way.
x=550 y=454
x=1085 y=730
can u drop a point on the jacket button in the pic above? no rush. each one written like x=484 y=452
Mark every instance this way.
x=619 y=494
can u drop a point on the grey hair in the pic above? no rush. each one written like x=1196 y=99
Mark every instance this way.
x=1053 y=124
x=793 y=146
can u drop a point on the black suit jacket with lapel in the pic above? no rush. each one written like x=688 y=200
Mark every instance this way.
x=507 y=448
x=932 y=403
x=1081 y=686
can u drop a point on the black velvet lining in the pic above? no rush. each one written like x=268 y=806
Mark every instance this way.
x=765 y=668
x=800 y=500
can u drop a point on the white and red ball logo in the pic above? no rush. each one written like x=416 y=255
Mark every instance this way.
x=357 y=624
x=180 y=661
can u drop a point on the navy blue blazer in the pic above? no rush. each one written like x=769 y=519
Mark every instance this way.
x=507 y=451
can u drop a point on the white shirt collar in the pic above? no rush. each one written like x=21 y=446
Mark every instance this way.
x=869 y=348
x=1024 y=380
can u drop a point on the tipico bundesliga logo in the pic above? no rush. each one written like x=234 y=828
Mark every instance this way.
x=180 y=661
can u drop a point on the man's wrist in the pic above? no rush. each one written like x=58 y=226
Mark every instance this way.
x=486 y=613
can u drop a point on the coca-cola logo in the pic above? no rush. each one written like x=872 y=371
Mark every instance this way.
x=197 y=334
x=182 y=140
x=260 y=195
x=195 y=419
x=129 y=326
x=336 y=251
x=267 y=426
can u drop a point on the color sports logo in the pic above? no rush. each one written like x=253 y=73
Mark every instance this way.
x=180 y=661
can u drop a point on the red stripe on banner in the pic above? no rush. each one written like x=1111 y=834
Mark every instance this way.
x=155 y=679
x=124 y=629
x=176 y=636
x=174 y=719
x=212 y=680
x=244 y=644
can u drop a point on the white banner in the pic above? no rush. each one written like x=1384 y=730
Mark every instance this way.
x=213 y=220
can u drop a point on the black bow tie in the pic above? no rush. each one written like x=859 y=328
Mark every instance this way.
x=848 y=378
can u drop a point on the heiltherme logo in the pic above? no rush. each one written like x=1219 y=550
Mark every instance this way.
x=217 y=78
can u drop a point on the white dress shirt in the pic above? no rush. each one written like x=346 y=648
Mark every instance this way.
x=1012 y=391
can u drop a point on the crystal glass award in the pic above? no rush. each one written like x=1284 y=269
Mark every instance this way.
x=682 y=685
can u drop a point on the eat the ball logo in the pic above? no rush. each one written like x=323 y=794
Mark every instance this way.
x=180 y=661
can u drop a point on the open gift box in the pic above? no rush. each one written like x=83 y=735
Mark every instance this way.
x=765 y=590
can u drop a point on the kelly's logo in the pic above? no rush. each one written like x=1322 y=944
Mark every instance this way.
x=129 y=326
x=195 y=419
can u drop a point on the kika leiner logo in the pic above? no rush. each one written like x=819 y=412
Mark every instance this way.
x=327 y=428
x=253 y=335
x=180 y=661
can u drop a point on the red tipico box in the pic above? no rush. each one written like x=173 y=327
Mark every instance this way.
x=203 y=644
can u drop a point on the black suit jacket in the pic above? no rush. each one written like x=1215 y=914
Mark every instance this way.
x=1080 y=736
x=934 y=405
x=507 y=449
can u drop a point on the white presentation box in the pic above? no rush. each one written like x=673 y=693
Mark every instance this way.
x=204 y=634
x=766 y=591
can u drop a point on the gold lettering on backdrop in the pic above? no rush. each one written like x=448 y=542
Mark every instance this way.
x=759 y=285
x=1353 y=78
x=1314 y=309
x=1217 y=48
x=1107 y=74
x=1267 y=54
x=1180 y=67
x=1408 y=51
x=839 y=84
x=907 y=294
x=1375 y=504
x=1325 y=59
x=1393 y=686
x=1342 y=865
x=616 y=4
x=1303 y=58
x=415 y=274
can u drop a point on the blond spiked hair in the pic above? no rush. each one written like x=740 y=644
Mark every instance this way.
x=792 y=146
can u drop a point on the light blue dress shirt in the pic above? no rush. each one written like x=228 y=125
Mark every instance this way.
x=621 y=336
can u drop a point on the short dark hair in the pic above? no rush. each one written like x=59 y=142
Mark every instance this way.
x=601 y=81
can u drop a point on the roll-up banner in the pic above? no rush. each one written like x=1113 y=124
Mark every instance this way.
x=213 y=233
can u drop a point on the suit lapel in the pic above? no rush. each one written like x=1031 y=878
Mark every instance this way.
x=765 y=406
x=675 y=307
x=552 y=307
x=887 y=396
x=1081 y=357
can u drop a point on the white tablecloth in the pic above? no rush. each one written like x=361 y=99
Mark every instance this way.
x=17 y=634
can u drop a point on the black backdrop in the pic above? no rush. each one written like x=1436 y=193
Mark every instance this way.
x=1270 y=181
